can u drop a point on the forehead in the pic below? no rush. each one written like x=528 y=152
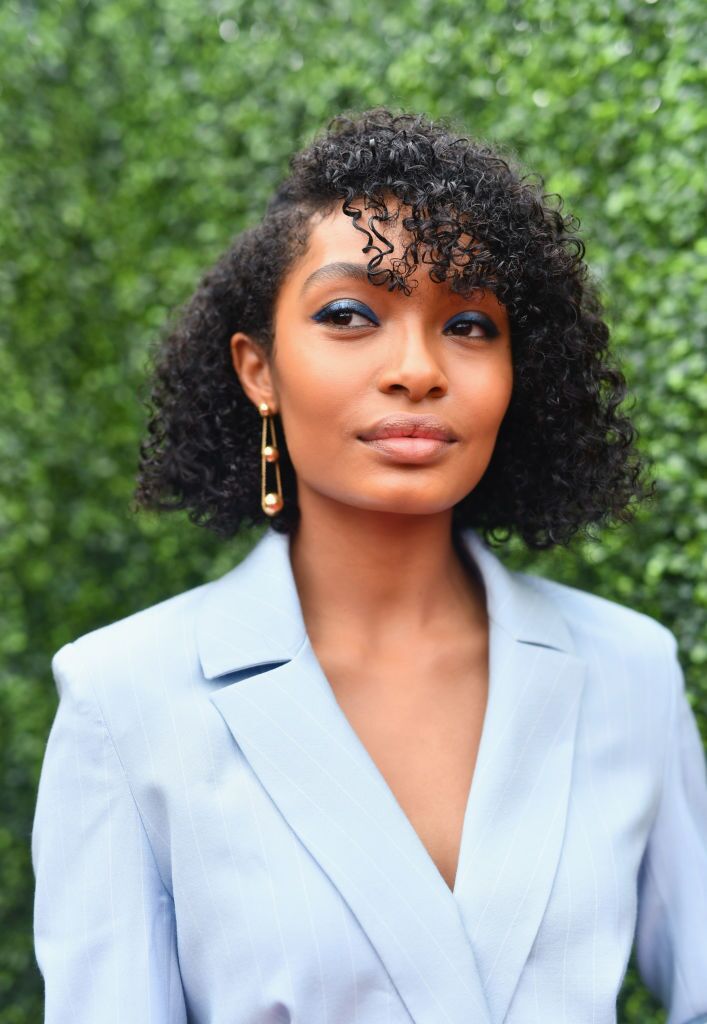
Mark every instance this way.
x=333 y=234
x=378 y=233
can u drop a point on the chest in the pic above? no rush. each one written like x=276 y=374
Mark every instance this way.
x=296 y=884
x=421 y=723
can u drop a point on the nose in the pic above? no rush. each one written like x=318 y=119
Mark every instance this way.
x=412 y=365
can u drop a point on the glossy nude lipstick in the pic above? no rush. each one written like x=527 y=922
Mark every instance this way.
x=410 y=438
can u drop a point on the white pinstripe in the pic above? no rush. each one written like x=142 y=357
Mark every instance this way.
x=588 y=846
x=271 y=889
x=345 y=916
x=568 y=872
x=294 y=841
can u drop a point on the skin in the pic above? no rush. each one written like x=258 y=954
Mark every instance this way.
x=404 y=644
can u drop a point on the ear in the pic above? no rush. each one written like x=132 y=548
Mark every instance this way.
x=253 y=369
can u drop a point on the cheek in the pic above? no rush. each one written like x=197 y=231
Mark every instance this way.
x=487 y=395
x=307 y=369
x=316 y=398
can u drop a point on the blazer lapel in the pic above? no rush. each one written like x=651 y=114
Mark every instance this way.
x=515 y=817
x=453 y=957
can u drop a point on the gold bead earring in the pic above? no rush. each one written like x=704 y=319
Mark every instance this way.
x=271 y=501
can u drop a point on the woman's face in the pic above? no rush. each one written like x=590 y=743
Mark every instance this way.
x=348 y=354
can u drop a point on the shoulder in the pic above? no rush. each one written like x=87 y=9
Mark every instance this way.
x=631 y=658
x=139 y=646
x=598 y=621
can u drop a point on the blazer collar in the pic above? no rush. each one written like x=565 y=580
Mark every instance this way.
x=260 y=595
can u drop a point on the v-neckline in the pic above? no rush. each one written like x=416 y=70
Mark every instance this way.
x=365 y=756
x=473 y=570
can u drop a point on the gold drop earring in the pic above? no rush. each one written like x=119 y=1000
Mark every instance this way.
x=271 y=501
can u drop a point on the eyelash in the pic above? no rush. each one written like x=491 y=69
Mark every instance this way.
x=347 y=306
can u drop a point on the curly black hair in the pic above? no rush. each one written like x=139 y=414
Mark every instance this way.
x=565 y=457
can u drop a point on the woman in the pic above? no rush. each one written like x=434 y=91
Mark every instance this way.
x=370 y=774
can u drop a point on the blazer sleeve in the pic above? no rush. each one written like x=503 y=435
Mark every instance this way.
x=671 y=931
x=104 y=924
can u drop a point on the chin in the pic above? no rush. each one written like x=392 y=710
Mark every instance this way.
x=409 y=505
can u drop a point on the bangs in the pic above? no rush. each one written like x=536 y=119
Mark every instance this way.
x=443 y=238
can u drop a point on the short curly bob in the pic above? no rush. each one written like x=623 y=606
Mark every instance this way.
x=564 y=459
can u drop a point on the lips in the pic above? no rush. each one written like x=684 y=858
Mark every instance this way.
x=412 y=439
x=409 y=426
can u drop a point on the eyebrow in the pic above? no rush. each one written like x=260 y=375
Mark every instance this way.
x=341 y=270
x=335 y=272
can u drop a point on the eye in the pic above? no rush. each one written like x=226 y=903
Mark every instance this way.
x=344 y=313
x=471 y=325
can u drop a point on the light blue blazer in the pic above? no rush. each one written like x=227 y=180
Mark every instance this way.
x=213 y=844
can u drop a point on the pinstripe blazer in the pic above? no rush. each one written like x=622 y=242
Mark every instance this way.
x=213 y=844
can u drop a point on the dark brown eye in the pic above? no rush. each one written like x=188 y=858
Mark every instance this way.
x=340 y=317
x=467 y=329
x=343 y=312
x=471 y=325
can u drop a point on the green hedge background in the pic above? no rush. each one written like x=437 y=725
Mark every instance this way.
x=139 y=135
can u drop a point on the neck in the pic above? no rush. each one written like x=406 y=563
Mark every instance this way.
x=370 y=579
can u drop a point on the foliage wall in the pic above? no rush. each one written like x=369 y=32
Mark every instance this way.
x=137 y=136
